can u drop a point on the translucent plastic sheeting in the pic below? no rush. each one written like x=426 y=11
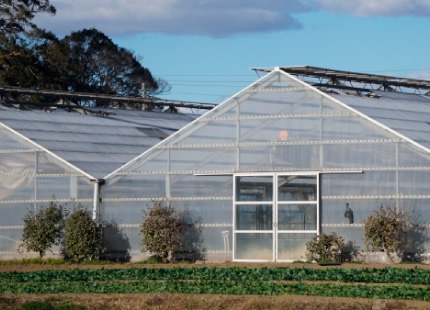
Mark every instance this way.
x=333 y=210
x=418 y=210
x=13 y=213
x=286 y=102
x=368 y=183
x=10 y=240
x=136 y=186
x=293 y=246
x=280 y=130
x=72 y=187
x=254 y=246
x=18 y=163
x=214 y=132
x=216 y=213
x=269 y=157
x=203 y=159
x=17 y=188
x=125 y=238
x=354 y=236
x=9 y=141
x=124 y=212
x=200 y=186
x=352 y=128
x=100 y=147
x=412 y=156
x=359 y=155
x=46 y=164
x=154 y=160
x=414 y=182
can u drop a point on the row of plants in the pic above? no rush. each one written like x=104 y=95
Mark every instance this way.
x=365 y=275
x=80 y=238
x=223 y=287
x=55 y=225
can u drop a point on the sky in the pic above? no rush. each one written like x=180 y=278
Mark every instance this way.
x=205 y=48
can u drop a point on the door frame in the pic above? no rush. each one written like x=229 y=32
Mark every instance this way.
x=274 y=202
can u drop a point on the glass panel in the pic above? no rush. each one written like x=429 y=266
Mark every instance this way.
x=297 y=217
x=293 y=246
x=254 y=217
x=254 y=188
x=297 y=188
x=254 y=246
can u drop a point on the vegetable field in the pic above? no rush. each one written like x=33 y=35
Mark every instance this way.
x=386 y=283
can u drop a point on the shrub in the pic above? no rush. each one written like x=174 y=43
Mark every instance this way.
x=162 y=229
x=82 y=239
x=385 y=229
x=43 y=229
x=324 y=248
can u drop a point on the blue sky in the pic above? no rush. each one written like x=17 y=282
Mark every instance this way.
x=204 y=48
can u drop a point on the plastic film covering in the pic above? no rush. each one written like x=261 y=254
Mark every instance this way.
x=182 y=185
x=369 y=183
x=279 y=124
x=214 y=132
x=137 y=186
x=29 y=179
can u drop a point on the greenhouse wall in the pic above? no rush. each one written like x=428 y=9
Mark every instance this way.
x=30 y=178
x=267 y=170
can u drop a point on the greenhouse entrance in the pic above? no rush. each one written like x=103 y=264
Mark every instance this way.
x=274 y=216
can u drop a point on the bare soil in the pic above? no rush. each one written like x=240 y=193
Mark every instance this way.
x=190 y=301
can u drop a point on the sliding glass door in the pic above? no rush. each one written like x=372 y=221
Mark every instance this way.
x=274 y=216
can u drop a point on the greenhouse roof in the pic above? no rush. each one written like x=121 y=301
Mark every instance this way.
x=353 y=77
x=96 y=144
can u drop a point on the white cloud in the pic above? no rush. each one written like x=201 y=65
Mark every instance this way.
x=369 y=8
x=215 y=18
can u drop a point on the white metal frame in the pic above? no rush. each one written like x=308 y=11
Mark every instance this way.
x=274 y=202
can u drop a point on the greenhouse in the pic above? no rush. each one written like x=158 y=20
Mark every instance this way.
x=301 y=151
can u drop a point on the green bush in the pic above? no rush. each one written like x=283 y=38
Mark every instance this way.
x=43 y=229
x=324 y=248
x=82 y=239
x=385 y=230
x=162 y=229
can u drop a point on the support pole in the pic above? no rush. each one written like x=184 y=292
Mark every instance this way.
x=96 y=199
